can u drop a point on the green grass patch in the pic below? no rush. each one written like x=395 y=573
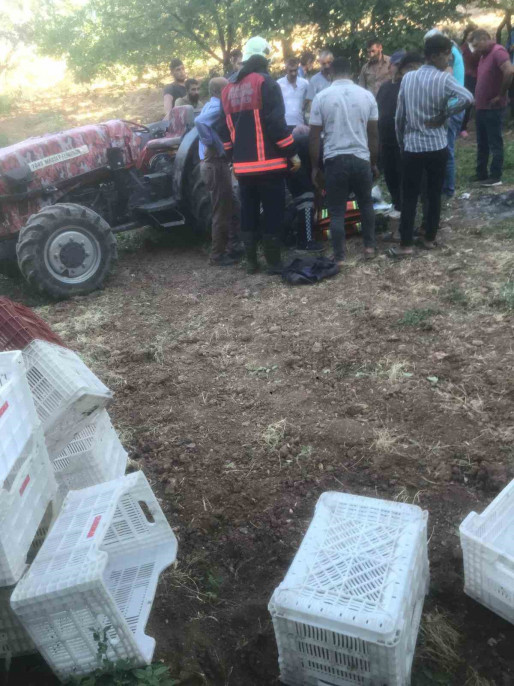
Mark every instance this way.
x=505 y=296
x=503 y=230
x=455 y=295
x=466 y=159
x=417 y=317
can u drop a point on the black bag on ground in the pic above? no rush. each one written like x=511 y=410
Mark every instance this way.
x=308 y=270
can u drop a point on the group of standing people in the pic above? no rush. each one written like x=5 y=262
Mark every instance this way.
x=403 y=117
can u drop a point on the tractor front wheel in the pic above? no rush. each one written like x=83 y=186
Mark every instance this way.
x=66 y=250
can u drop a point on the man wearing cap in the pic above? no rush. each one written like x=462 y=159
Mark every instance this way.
x=253 y=130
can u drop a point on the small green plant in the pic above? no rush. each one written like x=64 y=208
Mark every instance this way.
x=261 y=370
x=417 y=317
x=121 y=673
x=213 y=584
x=455 y=295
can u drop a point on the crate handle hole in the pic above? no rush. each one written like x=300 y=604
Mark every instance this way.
x=147 y=512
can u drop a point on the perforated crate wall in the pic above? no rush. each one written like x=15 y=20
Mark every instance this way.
x=488 y=550
x=97 y=571
x=24 y=498
x=349 y=608
x=19 y=326
x=93 y=456
x=66 y=393
x=18 y=417
x=14 y=640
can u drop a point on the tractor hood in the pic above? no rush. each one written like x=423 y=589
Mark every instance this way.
x=56 y=160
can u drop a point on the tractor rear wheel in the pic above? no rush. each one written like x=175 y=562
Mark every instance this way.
x=65 y=250
x=198 y=200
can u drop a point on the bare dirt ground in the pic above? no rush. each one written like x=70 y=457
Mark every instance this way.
x=243 y=400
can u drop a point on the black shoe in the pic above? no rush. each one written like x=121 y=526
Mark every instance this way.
x=489 y=183
x=310 y=246
x=271 y=245
x=223 y=261
x=477 y=179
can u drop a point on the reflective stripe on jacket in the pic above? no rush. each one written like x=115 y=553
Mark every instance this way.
x=252 y=124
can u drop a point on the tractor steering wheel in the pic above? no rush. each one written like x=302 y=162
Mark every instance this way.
x=137 y=128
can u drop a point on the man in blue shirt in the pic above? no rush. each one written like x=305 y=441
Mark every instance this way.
x=226 y=246
x=323 y=78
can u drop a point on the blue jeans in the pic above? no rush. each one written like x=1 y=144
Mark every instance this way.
x=344 y=174
x=454 y=127
x=489 y=140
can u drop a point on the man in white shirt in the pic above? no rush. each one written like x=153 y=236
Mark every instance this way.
x=348 y=116
x=294 y=90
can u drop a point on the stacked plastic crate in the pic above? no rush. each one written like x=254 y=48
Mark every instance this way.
x=27 y=491
x=98 y=529
x=488 y=551
x=349 y=608
x=95 y=577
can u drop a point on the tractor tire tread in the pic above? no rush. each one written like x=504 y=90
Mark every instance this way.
x=31 y=242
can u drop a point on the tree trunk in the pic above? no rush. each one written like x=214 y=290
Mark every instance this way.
x=506 y=21
x=287 y=49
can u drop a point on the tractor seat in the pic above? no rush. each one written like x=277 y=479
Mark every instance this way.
x=168 y=143
x=182 y=120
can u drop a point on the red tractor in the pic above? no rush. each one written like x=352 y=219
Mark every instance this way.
x=63 y=197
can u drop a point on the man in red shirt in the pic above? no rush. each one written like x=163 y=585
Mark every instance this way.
x=494 y=76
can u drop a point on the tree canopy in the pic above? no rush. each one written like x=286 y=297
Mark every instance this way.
x=16 y=28
x=94 y=35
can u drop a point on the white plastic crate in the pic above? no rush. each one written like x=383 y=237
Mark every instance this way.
x=17 y=412
x=488 y=549
x=93 y=456
x=24 y=498
x=97 y=572
x=14 y=640
x=349 y=608
x=66 y=393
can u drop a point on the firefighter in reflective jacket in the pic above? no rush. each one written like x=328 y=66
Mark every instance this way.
x=253 y=129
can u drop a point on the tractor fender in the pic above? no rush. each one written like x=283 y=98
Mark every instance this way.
x=186 y=154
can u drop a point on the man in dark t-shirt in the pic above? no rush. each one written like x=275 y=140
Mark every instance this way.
x=387 y=98
x=177 y=89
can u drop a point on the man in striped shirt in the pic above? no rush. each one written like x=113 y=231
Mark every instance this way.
x=427 y=98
